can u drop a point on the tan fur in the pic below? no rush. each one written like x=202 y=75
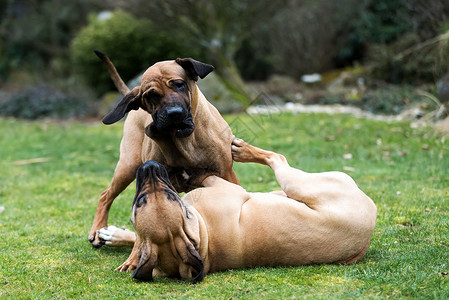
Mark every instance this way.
x=324 y=218
x=208 y=147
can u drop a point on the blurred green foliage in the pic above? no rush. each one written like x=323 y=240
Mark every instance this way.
x=133 y=44
x=34 y=35
x=403 y=41
x=42 y=101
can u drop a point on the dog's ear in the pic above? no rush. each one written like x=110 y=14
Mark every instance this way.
x=192 y=265
x=191 y=224
x=147 y=262
x=130 y=101
x=194 y=68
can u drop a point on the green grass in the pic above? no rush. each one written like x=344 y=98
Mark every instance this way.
x=49 y=207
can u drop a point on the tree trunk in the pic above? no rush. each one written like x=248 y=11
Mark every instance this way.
x=229 y=74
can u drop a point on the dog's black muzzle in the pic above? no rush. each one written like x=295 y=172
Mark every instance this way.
x=173 y=119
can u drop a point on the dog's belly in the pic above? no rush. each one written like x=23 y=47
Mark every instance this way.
x=277 y=230
x=273 y=230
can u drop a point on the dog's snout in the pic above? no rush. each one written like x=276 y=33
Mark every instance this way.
x=151 y=171
x=175 y=113
x=153 y=168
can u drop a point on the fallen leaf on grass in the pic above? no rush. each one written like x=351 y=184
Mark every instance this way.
x=347 y=156
x=425 y=147
x=31 y=161
x=403 y=153
x=404 y=221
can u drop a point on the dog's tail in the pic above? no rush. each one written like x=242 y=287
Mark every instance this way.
x=118 y=81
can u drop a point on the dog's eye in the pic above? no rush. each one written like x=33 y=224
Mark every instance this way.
x=179 y=85
x=152 y=96
x=141 y=200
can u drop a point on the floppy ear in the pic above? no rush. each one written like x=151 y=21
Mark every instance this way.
x=147 y=262
x=191 y=224
x=194 y=68
x=192 y=265
x=131 y=101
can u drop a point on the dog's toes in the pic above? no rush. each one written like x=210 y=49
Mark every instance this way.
x=238 y=142
x=126 y=266
x=98 y=244
x=238 y=150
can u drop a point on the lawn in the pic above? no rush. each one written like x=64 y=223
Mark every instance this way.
x=51 y=175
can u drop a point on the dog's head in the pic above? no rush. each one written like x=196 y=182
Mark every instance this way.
x=167 y=230
x=165 y=92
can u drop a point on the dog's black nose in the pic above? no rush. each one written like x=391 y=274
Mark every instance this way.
x=150 y=165
x=175 y=113
x=150 y=171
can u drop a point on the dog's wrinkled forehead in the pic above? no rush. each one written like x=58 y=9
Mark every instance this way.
x=161 y=73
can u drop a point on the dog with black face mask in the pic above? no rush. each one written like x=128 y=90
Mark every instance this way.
x=316 y=218
x=170 y=121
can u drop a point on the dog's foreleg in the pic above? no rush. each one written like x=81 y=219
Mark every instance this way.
x=117 y=237
x=124 y=174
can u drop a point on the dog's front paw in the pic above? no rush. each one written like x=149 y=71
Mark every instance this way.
x=116 y=237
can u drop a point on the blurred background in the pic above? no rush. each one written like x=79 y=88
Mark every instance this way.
x=384 y=56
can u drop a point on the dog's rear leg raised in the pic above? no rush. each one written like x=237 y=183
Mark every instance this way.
x=124 y=174
x=288 y=178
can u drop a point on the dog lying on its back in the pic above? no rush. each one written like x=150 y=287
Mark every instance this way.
x=170 y=121
x=316 y=218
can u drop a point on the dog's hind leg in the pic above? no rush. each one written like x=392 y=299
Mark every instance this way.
x=290 y=179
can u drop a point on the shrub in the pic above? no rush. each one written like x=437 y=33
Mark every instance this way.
x=389 y=100
x=306 y=35
x=410 y=60
x=42 y=101
x=132 y=44
x=409 y=40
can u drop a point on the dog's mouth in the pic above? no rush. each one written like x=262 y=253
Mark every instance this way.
x=183 y=129
x=165 y=123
